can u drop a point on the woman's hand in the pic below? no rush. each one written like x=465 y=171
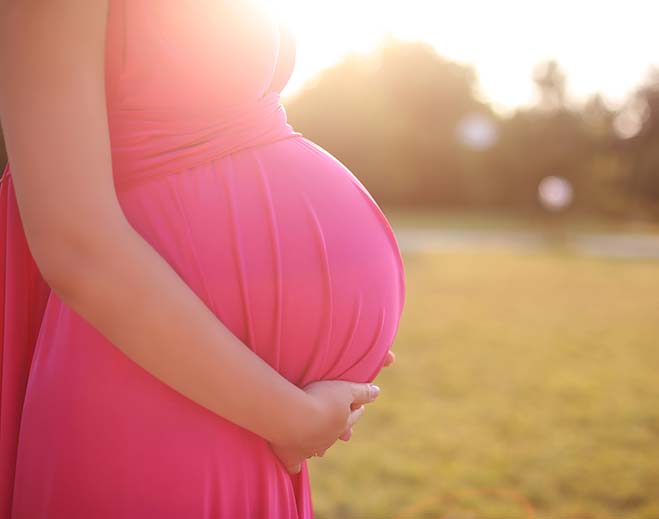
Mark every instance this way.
x=292 y=456
x=335 y=407
x=388 y=361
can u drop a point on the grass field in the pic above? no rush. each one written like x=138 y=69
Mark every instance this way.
x=526 y=386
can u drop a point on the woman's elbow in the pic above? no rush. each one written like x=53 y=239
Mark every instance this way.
x=58 y=260
x=69 y=258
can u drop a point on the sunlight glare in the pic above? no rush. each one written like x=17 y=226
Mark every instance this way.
x=602 y=46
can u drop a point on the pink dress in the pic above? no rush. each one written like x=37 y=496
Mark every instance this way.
x=273 y=233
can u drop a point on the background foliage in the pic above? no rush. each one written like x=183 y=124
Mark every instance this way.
x=394 y=117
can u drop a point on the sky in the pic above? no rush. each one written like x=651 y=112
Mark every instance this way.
x=603 y=46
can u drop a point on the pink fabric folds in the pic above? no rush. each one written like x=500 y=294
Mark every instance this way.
x=147 y=143
x=23 y=296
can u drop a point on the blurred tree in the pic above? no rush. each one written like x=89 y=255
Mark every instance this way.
x=550 y=82
x=599 y=119
x=535 y=144
x=643 y=148
x=391 y=117
x=410 y=125
x=603 y=186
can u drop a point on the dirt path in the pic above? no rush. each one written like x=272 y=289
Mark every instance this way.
x=612 y=245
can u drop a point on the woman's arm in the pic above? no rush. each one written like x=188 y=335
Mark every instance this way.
x=53 y=111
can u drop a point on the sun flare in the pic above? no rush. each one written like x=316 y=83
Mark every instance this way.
x=602 y=46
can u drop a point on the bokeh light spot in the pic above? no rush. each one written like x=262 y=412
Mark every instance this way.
x=477 y=131
x=555 y=193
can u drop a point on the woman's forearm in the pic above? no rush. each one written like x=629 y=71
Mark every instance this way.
x=52 y=96
x=126 y=290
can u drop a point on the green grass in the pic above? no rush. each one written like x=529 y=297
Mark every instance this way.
x=526 y=385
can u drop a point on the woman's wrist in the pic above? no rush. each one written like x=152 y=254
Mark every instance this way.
x=298 y=416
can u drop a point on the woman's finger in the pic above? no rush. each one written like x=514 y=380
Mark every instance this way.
x=354 y=415
x=363 y=393
x=291 y=458
x=390 y=358
x=346 y=435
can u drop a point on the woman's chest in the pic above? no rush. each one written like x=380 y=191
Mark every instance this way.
x=188 y=55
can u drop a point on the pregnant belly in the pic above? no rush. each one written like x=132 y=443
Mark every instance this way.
x=288 y=249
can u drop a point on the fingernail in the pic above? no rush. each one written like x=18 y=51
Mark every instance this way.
x=375 y=391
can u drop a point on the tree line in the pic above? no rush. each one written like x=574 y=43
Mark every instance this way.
x=411 y=126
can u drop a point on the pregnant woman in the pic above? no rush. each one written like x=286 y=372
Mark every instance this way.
x=195 y=298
